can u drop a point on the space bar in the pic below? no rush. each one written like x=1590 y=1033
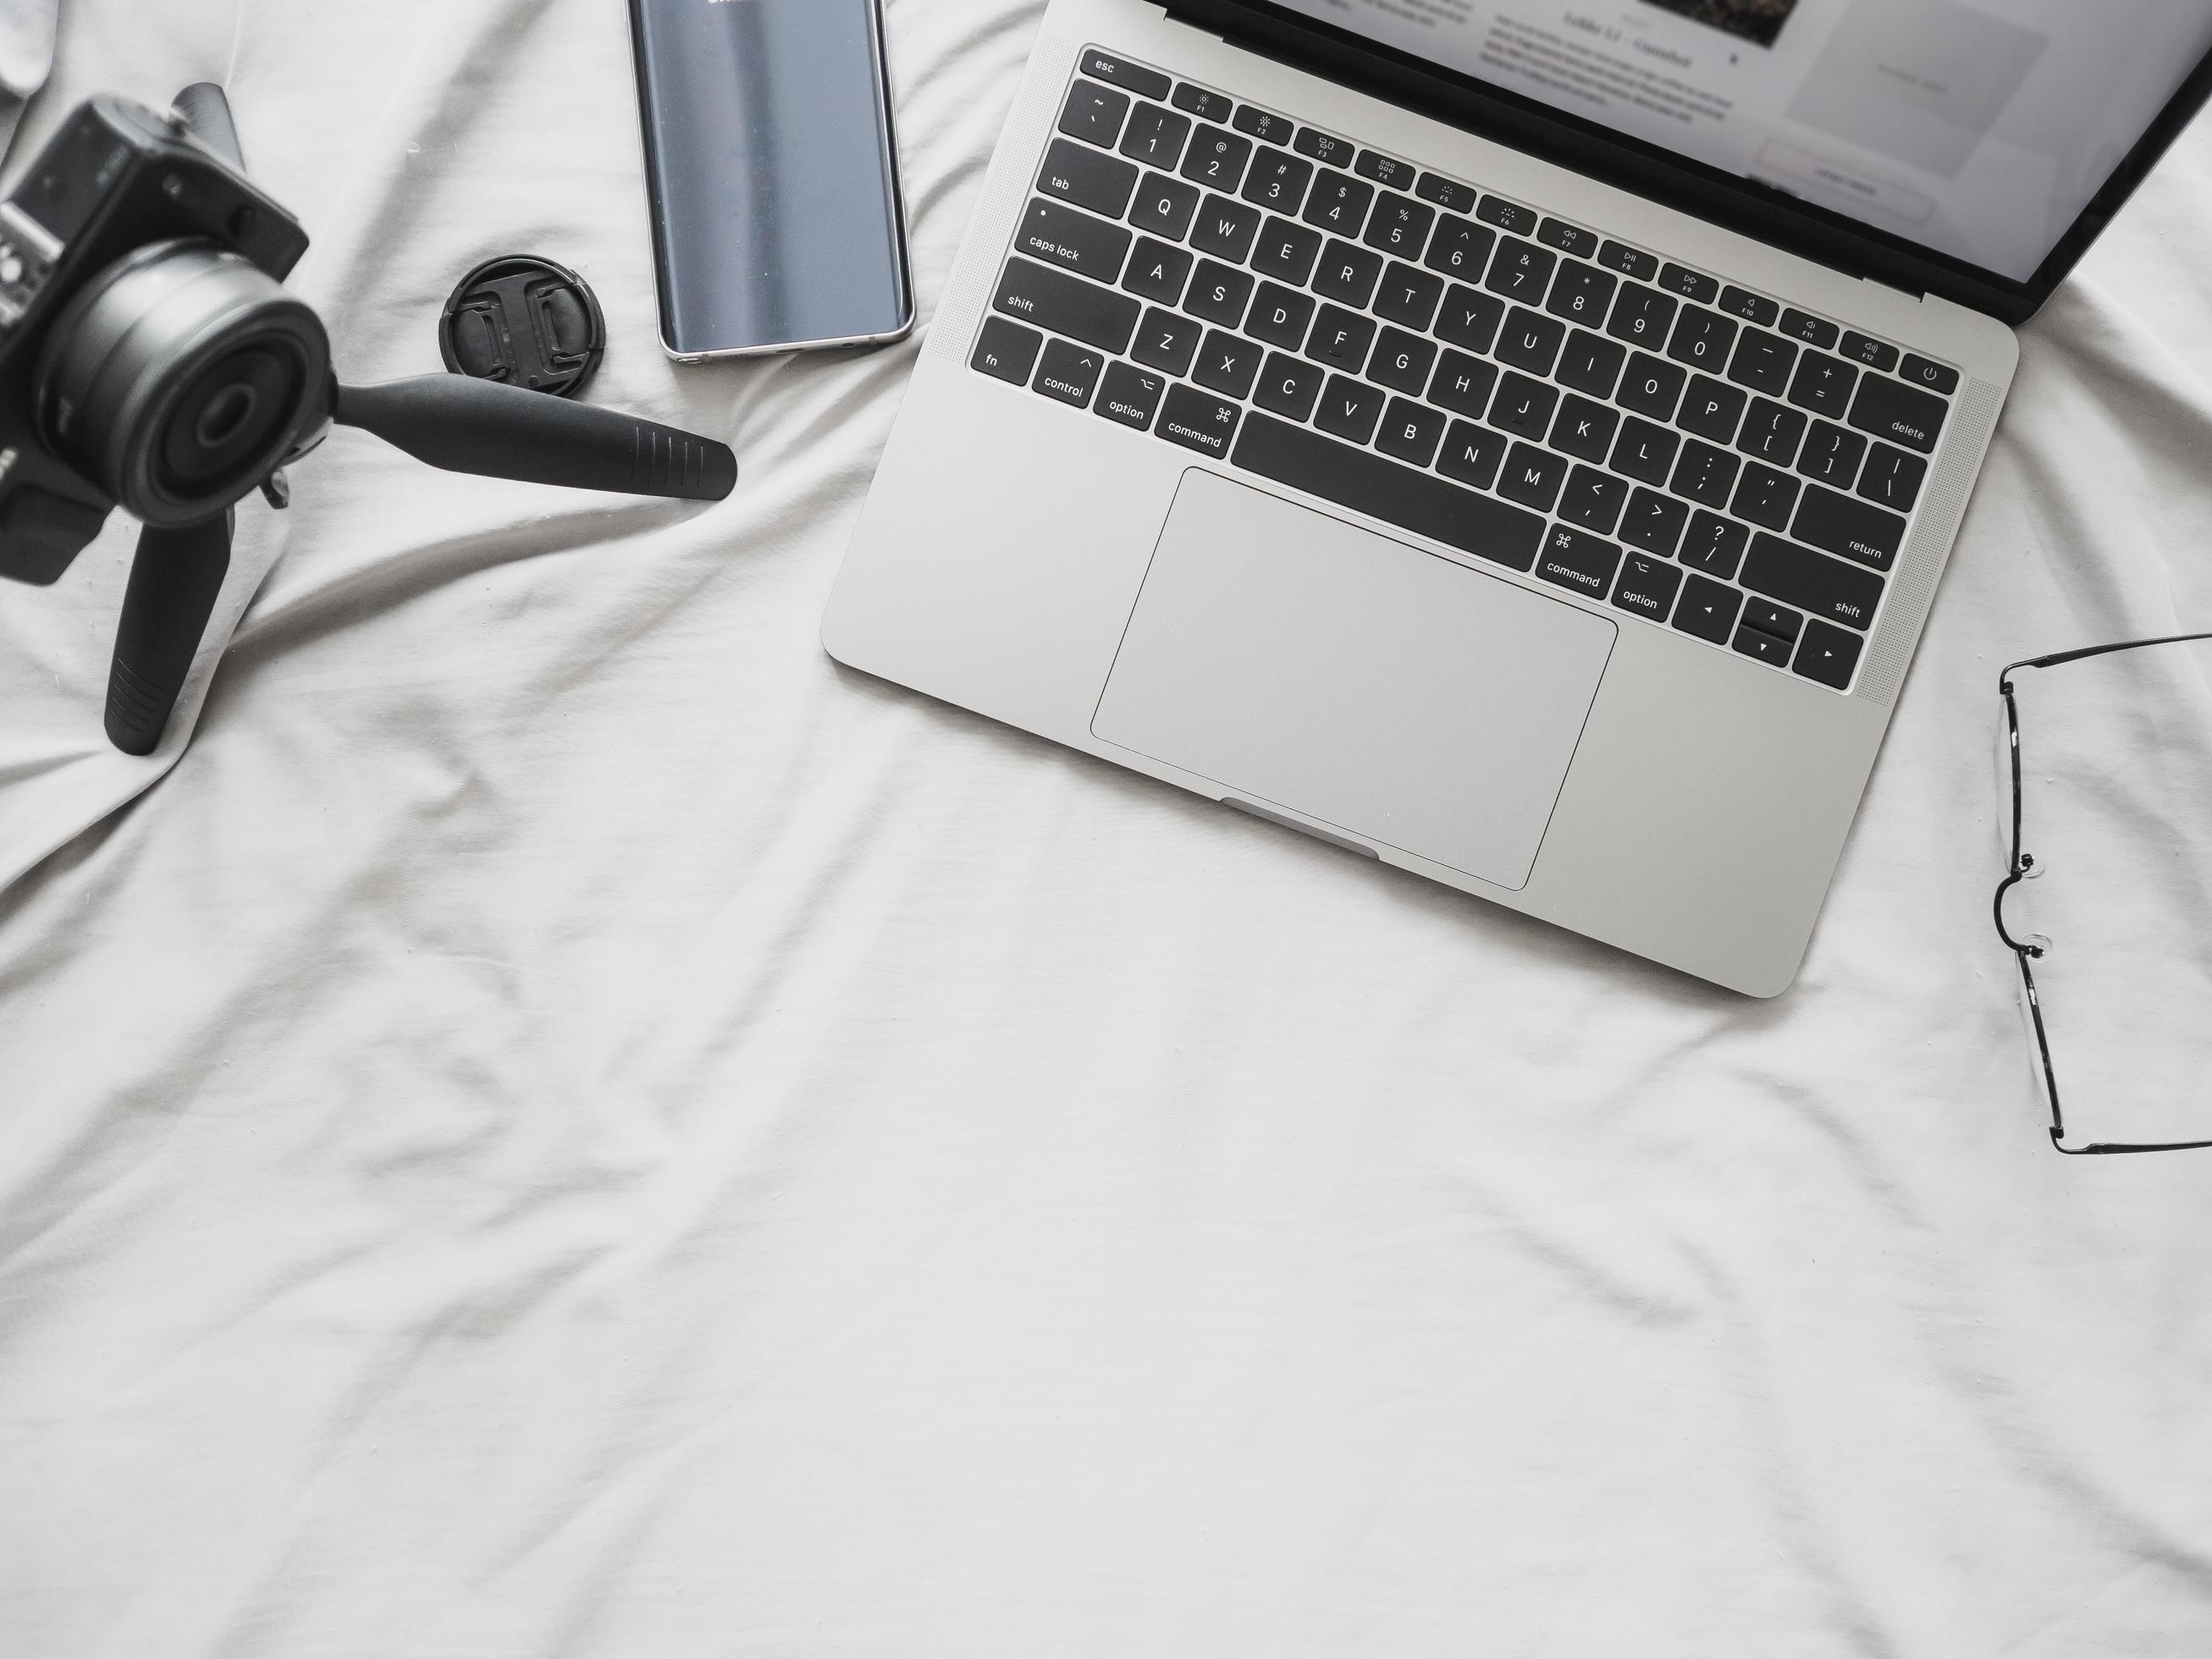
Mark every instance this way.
x=1365 y=482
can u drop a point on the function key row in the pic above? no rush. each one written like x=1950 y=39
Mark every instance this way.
x=1096 y=114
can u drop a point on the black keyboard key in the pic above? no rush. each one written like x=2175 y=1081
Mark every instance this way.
x=1286 y=251
x=1651 y=388
x=1705 y=474
x=1282 y=316
x=1829 y=655
x=1843 y=523
x=1701 y=339
x=1523 y=407
x=1778 y=622
x=1267 y=128
x=1803 y=325
x=1891 y=479
x=1647 y=587
x=1764 y=648
x=1765 y=496
x=1521 y=270
x=1384 y=170
x=1889 y=409
x=1408 y=296
x=1655 y=523
x=1568 y=238
x=1640 y=316
x=1198 y=421
x=1823 y=383
x=1594 y=500
x=1289 y=386
x=1471 y=454
x=1219 y=294
x=1216 y=159
x=1338 y=203
x=1094 y=113
x=1771 y=433
x=1069 y=372
x=1341 y=338
x=1206 y=105
x=1227 y=363
x=1861 y=348
x=1131 y=396
x=1763 y=362
x=1690 y=284
x=1530 y=341
x=1159 y=273
x=1058 y=234
x=1164 y=206
x=1462 y=384
x=1573 y=560
x=1402 y=361
x=1581 y=293
x=1460 y=247
x=1827 y=588
x=1707 y=609
x=1347 y=274
x=1711 y=410
x=1832 y=455
x=1130 y=77
x=1715 y=545
x=1166 y=341
x=1588 y=363
x=1451 y=197
x=1410 y=432
x=1740 y=302
x=1087 y=178
x=1645 y=453
x=1052 y=300
x=1470 y=319
x=1399 y=226
x=1533 y=476
x=1507 y=215
x=1155 y=136
x=1414 y=500
x=1006 y=350
x=1349 y=409
x=1629 y=262
x=1935 y=377
x=1584 y=429
x=1278 y=181
x=1225 y=228
x=1332 y=152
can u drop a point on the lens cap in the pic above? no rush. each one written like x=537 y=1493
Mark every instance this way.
x=526 y=321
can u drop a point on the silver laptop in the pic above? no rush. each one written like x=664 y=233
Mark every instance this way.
x=1518 y=442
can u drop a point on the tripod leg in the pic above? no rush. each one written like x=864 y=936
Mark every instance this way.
x=173 y=583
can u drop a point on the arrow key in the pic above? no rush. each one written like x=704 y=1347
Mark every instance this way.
x=1708 y=610
x=1828 y=654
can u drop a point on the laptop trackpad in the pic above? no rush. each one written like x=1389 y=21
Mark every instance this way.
x=1304 y=663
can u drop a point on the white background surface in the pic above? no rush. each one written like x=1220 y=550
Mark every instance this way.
x=568 y=1124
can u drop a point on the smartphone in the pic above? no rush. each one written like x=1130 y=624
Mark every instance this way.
x=772 y=175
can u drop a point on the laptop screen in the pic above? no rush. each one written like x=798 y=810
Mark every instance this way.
x=1980 y=131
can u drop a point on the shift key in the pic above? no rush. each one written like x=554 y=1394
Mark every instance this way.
x=1068 y=305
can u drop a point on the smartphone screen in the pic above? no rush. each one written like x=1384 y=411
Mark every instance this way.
x=769 y=165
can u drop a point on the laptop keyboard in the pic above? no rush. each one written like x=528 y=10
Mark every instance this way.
x=1467 y=367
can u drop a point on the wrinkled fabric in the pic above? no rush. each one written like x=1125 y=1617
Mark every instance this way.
x=566 y=1124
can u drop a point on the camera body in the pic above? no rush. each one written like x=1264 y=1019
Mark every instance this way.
x=147 y=355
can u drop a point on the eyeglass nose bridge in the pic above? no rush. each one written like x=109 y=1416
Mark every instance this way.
x=2031 y=947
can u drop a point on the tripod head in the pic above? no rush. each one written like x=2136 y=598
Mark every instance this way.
x=149 y=356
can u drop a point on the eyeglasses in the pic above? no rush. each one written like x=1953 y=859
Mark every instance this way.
x=2021 y=865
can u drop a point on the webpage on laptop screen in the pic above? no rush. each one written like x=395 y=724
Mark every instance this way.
x=1980 y=131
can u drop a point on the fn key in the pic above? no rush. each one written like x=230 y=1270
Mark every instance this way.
x=1007 y=350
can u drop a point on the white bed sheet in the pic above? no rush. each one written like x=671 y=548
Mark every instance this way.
x=567 y=1124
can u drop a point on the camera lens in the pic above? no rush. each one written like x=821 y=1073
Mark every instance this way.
x=178 y=378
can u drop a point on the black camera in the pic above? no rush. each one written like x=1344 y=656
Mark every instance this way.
x=151 y=358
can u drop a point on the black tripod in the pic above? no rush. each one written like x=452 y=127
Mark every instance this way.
x=448 y=421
